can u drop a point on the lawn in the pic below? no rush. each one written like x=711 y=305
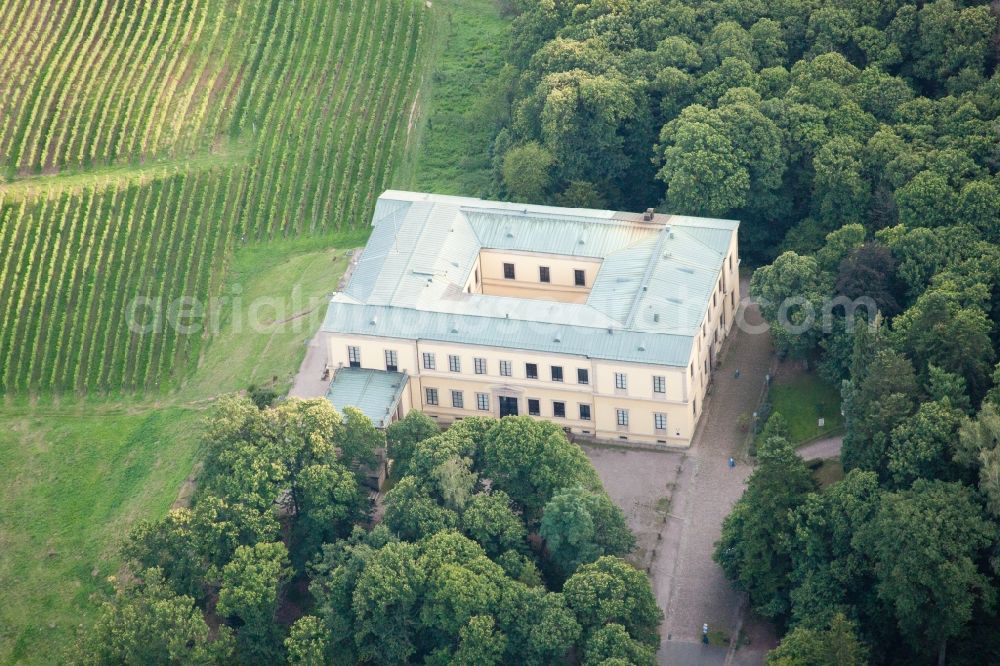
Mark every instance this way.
x=75 y=475
x=73 y=480
x=802 y=400
x=272 y=302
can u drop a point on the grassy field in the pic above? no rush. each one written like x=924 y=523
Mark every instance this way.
x=802 y=399
x=72 y=481
x=280 y=290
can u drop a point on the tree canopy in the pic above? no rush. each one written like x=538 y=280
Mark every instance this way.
x=478 y=559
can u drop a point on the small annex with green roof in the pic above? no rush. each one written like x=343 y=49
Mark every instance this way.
x=376 y=393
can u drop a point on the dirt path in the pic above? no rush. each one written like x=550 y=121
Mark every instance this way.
x=688 y=584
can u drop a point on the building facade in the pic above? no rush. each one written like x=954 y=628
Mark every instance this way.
x=606 y=323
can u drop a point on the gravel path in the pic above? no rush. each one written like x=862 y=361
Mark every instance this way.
x=309 y=382
x=822 y=449
x=688 y=584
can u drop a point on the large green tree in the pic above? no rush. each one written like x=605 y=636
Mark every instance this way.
x=403 y=436
x=925 y=543
x=580 y=525
x=251 y=587
x=610 y=590
x=530 y=460
x=755 y=550
x=835 y=646
x=148 y=623
x=490 y=520
x=829 y=573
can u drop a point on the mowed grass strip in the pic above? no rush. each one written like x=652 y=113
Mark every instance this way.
x=458 y=98
x=271 y=305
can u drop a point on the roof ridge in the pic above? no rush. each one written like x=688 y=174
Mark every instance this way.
x=653 y=258
x=413 y=247
x=580 y=218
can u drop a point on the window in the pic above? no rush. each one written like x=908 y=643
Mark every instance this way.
x=622 y=417
x=580 y=278
x=621 y=381
x=354 y=356
x=534 y=407
x=483 y=402
x=429 y=361
x=582 y=376
x=508 y=271
x=454 y=363
x=531 y=370
x=543 y=274
x=660 y=421
x=457 y=399
x=391 y=361
x=694 y=407
x=477 y=276
x=659 y=384
x=505 y=369
x=559 y=409
x=556 y=373
x=480 y=364
x=431 y=396
x=584 y=412
x=692 y=368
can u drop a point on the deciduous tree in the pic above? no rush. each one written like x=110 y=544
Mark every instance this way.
x=925 y=543
x=611 y=590
x=755 y=550
x=579 y=526
x=148 y=623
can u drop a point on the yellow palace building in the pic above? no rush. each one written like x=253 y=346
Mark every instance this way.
x=604 y=322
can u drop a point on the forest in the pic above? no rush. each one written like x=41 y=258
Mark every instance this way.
x=858 y=143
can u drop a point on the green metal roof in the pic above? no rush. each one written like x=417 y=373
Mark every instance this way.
x=593 y=342
x=375 y=392
x=646 y=303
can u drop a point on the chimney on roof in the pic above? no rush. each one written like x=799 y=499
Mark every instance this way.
x=648 y=215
